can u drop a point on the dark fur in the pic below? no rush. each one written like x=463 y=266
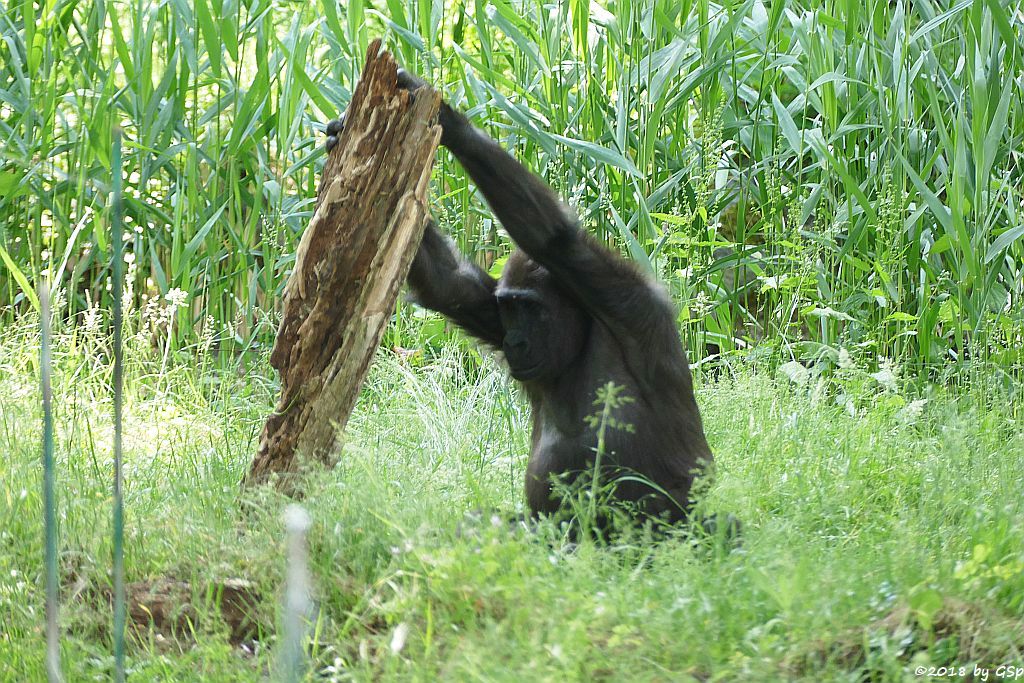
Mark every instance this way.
x=570 y=316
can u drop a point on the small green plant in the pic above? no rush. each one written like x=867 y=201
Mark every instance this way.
x=609 y=398
x=589 y=496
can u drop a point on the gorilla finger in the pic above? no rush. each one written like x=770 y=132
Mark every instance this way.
x=335 y=127
x=409 y=82
x=332 y=141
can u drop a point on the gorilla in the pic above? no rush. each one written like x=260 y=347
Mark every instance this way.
x=570 y=316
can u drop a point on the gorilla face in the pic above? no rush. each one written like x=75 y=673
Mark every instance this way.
x=527 y=322
x=544 y=330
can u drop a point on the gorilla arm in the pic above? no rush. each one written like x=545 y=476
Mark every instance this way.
x=440 y=277
x=633 y=306
x=443 y=280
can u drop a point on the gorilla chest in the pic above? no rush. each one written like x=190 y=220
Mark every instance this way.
x=562 y=448
x=573 y=420
x=566 y=439
x=578 y=416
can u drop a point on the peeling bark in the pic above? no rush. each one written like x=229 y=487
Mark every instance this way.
x=352 y=259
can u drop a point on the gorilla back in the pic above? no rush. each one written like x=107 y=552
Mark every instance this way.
x=571 y=316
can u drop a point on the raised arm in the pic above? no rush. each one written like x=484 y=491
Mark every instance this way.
x=443 y=280
x=635 y=307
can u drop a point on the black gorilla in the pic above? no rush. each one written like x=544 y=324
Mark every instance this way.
x=570 y=316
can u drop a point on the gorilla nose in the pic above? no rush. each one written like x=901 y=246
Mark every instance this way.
x=515 y=343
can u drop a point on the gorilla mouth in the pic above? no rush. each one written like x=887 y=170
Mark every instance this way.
x=524 y=373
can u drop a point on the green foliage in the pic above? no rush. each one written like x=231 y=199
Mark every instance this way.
x=810 y=175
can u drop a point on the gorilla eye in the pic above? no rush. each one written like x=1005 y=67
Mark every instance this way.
x=529 y=304
x=522 y=300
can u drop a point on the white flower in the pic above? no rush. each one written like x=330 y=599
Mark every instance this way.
x=399 y=637
x=910 y=412
x=886 y=377
x=176 y=297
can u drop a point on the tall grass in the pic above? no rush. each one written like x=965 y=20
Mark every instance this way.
x=820 y=177
x=880 y=534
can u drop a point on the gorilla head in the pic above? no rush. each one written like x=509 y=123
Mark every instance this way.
x=545 y=330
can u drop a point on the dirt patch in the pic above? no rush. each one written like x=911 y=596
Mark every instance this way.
x=168 y=612
x=167 y=607
x=963 y=631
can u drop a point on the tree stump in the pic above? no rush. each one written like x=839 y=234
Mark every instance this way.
x=353 y=258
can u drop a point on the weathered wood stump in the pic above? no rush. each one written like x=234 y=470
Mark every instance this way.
x=353 y=258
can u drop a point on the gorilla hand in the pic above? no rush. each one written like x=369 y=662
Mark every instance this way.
x=409 y=81
x=406 y=81
x=447 y=118
x=453 y=124
x=334 y=129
